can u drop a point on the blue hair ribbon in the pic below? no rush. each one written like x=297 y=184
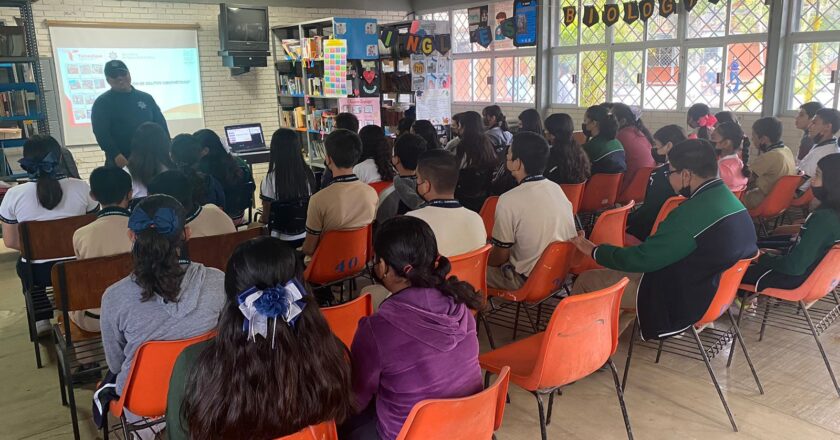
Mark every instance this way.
x=164 y=222
x=284 y=302
x=44 y=167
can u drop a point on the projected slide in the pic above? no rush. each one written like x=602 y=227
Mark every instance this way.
x=163 y=63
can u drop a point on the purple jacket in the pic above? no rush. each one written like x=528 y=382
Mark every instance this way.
x=419 y=345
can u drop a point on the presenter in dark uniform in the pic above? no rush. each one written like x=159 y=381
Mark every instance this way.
x=117 y=113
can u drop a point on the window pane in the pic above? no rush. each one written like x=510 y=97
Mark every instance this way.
x=567 y=35
x=819 y=15
x=565 y=79
x=707 y=20
x=504 y=79
x=593 y=77
x=660 y=28
x=748 y=17
x=498 y=13
x=596 y=34
x=703 y=76
x=462 y=80
x=461 y=33
x=481 y=80
x=662 y=78
x=745 y=77
x=436 y=16
x=627 y=33
x=627 y=77
x=525 y=79
x=813 y=67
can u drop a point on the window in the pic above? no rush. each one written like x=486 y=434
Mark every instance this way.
x=813 y=50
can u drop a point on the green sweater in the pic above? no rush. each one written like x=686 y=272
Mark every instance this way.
x=659 y=190
x=177 y=428
x=818 y=234
x=606 y=155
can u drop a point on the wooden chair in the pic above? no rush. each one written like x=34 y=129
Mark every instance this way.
x=45 y=240
x=79 y=285
x=215 y=250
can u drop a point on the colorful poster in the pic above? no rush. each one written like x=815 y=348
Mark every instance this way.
x=418 y=72
x=435 y=106
x=335 y=67
x=525 y=18
x=361 y=35
x=365 y=109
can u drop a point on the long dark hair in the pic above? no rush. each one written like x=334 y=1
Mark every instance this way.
x=218 y=162
x=670 y=133
x=428 y=132
x=530 y=120
x=830 y=167
x=150 y=150
x=474 y=150
x=48 y=189
x=268 y=387
x=157 y=269
x=496 y=111
x=697 y=111
x=566 y=160
x=292 y=178
x=375 y=146
x=623 y=112
x=408 y=242
x=733 y=132
x=607 y=124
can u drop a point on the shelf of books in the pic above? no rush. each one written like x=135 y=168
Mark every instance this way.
x=324 y=67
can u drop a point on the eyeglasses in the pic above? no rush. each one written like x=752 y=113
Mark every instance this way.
x=669 y=171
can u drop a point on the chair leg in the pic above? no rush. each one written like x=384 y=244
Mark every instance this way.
x=740 y=340
x=33 y=332
x=516 y=319
x=714 y=378
x=659 y=350
x=738 y=336
x=531 y=320
x=764 y=320
x=620 y=393
x=550 y=406
x=488 y=330
x=71 y=396
x=819 y=345
x=542 y=416
x=629 y=354
x=124 y=423
x=487 y=380
x=539 y=313
x=62 y=384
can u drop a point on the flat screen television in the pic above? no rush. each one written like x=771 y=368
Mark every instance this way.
x=243 y=28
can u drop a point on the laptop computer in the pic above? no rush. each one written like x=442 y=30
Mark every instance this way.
x=245 y=137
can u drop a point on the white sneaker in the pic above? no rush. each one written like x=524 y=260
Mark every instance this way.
x=43 y=327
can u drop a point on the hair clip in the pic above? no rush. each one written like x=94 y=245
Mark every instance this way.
x=164 y=222
x=279 y=302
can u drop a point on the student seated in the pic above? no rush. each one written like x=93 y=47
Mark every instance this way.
x=724 y=117
x=230 y=171
x=635 y=139
x=455 y=129
x=733 y=149
x=681 y=263
x=164 y=298
x=774 y=160
x=477 y=160
x=530 y=120
x=49 y=195
x=605 y=152
x=186 y=154
x=823 y=131
x=150 y=156
x=700 y=118
x=567 y=162
x=111 y=187
x=286 y=188
x=428 y=132
x=497 y=129
x=528 y=217
x=803 y=119
x=346 y=203
x=641 y=221
x=375 y=162
x=347 y=121
x=421 y=343
x=402 y=196
x=203 y=220
x=457 y=229
x=257 y=378
x=821 y=231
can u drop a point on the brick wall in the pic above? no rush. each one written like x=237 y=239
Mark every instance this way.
x=227 y=99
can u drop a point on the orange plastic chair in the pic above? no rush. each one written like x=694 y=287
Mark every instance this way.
x=381 y=186
x=738 y=194
x=804 y=200
x=579 y=138
x=608 y=229
x=547 y=277
x=344 y=318
x=147 y=383
x=580 y=338
x=472 y=268
x=574 y=192
x=777 y=202
x=601 y=192
x=488 y=214
x=472 y=417
x=322 y=431
x=669 y=205
x=637 y=187
x=340 y=255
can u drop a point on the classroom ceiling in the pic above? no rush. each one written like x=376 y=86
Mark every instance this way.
x=369 y=5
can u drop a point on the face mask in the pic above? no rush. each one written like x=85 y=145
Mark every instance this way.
x=586 y=132
x=820 y=193
x=417 y=190
x=685 y=191
x=659 y=158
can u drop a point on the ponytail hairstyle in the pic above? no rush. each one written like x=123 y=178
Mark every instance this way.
x=733 y=132
x=41 y=157
x=623 y=112
x=607 y=124
x=496 y=111
x=375 y=146
x=158 y=226
x=408 y=247
x=701 y=116
x=275 y=384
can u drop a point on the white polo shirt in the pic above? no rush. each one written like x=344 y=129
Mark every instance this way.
x=457 y=229
x=20 y=204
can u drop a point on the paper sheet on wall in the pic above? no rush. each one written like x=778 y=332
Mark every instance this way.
x=335 y=67
x=365 y=109
x=434 y=105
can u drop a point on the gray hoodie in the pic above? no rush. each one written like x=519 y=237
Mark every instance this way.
x=403 y=190
x=128 y=322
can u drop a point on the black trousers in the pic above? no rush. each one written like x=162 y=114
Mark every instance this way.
x=40 y=281
x=361 y=426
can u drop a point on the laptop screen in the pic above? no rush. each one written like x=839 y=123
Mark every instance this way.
x=245 y=137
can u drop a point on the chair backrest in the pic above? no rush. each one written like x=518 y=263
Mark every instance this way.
x=472 y=267
x=472 y=417
x=79 y=284
x=822 y=280
x=727 y=288
x=610 y=225
x=340 y=254
x=601 y=192
x=804 y=200
x=322 y=431
x=581 y=335
x=779 y=199
x=215 y=250
x=381 y=186
x=344 y=318
x=739 y=194
x=669 y=205
x=488 y=214
x=51 y=239
x=574 y=192
x=550 y=272
x=147 y=384
x=637 y=187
